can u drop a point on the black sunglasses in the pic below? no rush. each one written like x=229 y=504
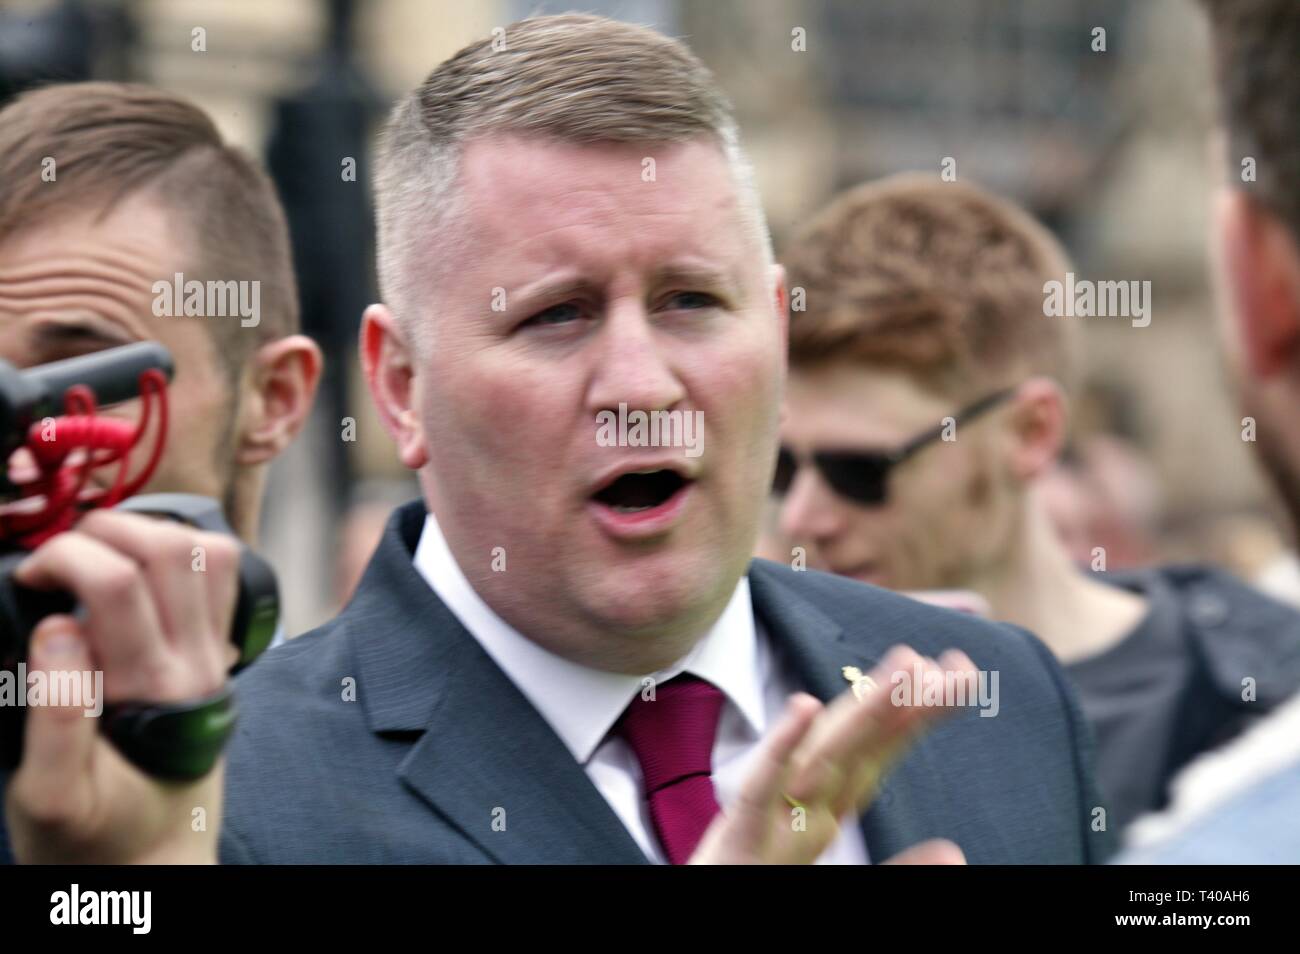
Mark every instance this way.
x=863 y=476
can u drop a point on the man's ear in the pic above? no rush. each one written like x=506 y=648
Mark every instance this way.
x=1259 y=268
x=282 y=385
x=388 y=364
x=1039 y=420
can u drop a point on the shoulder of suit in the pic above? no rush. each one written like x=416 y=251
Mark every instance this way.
x=875 y=613
x=317 y=660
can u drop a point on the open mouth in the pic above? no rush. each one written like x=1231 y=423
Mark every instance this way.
x=641 y=491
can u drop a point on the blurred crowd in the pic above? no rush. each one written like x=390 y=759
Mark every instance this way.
x=1106 y=146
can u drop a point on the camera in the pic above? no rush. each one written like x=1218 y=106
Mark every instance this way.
x=51 y=411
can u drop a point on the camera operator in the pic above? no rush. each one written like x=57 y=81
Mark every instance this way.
x=113 y=193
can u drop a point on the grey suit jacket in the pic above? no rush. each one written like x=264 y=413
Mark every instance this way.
x=440 y=759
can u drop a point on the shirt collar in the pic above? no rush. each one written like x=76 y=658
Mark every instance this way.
x=580 y=703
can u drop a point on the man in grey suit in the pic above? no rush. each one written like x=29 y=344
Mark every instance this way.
x=442 y=758
x=470 y=704
x=563 y=653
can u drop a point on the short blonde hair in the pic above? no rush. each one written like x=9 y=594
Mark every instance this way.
x=575 y=78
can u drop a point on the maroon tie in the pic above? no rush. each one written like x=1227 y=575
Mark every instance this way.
x=672 y=737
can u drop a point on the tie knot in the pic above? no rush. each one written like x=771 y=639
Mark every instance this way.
x=672 y=734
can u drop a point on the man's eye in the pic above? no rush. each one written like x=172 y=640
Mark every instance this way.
x=57 y=342
x=690 y=301
x=557 y=314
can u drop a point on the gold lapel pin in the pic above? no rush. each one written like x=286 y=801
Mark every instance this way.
x=860 y=681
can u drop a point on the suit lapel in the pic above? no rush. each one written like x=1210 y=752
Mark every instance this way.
x=486 y=761
x=495 y=769
x=816 y=649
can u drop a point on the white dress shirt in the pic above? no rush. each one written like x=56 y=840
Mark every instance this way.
x=582 y=704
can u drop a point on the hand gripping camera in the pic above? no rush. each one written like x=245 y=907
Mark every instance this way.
x=51 y=411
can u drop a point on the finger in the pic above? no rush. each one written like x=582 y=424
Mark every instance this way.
x=173 y=565
x=936 y=851
x=859 y=741
x=196 y=612
x=50 y=785
x=957 y=683
x=956 y=678
x=22 y=467
x=122 y=626
x=831 y=756
x=923 y=697
x=955 y=660
x=221 y=576
x=915 y=711
x=749 y=816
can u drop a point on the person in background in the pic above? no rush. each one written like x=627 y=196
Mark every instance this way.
x=111 y=188
x=1105 y=493
x=142 y=188
x=1241 y=805
x=928 y=398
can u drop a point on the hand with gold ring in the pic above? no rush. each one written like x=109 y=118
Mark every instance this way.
x=822 y=765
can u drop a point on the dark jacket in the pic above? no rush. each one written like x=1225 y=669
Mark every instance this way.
x=1211 y=657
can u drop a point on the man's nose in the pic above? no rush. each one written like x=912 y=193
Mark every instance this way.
x=810 y=511
x=634 y=365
